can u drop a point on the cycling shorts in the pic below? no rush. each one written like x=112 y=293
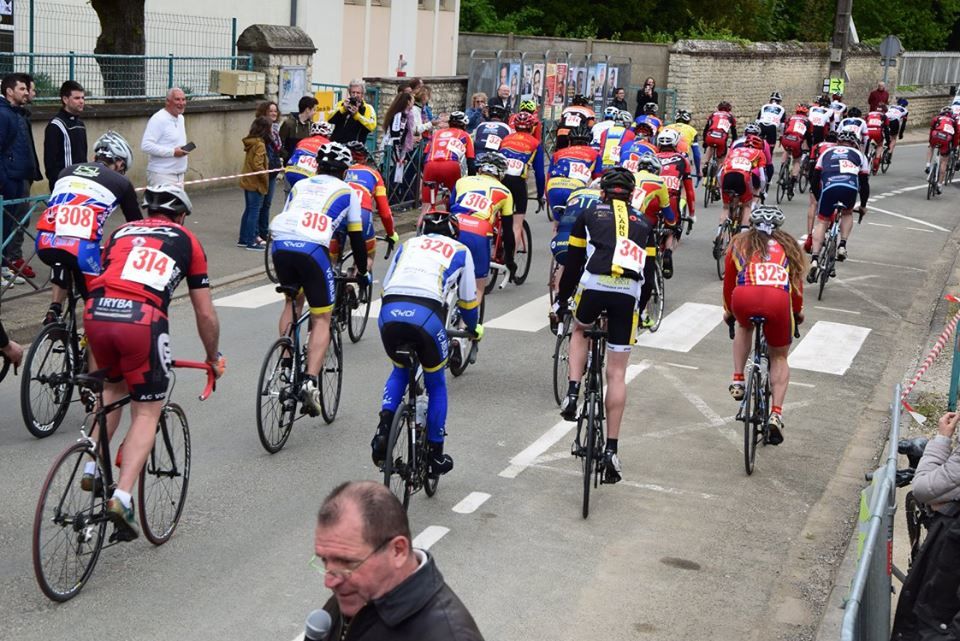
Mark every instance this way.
x=417 y=323
x=475 y=234
x=818 y=134
x=339 y=238
x=769 y=133
x=739 y=184
x=793 y=147
x=557 y=197
x=718 y=140
x=772 y=303
x=306 y=266
x=445 y=172
x=517 y=187
x=895 y=126
x=942 y=140
x=837 y=193
x=70 y=259
x=876 y=135
x=621 y=315
x=131 y=341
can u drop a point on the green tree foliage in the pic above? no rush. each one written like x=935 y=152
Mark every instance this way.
x=920 y=24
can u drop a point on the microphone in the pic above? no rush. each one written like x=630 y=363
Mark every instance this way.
x=318 y=626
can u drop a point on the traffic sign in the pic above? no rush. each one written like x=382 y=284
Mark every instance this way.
x=890 y=47
x=836 y=85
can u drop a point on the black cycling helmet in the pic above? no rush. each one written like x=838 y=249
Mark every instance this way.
x=852 y=138
x=854 y=112
x=333 y=157
x=684 y=115
x=497 y=112
x=724 y=106
x=581 y=134
x=776 y=97
x=171 y=200
x=823 y=101
x=439 y=222
x=492 y=163
x=579 y=100
x=617 y=183
x=458 y=119
x=831 y=136
x=358 y=150
x=651 y=108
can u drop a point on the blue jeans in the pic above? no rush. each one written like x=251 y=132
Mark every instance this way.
x=263 y=221
x=253 y=200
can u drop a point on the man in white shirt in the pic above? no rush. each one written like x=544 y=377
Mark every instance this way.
x=163 y=141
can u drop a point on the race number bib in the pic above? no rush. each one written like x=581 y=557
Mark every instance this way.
x=77 y=221
x=475 y=202
x=148 y=266
x=741 y=164
x=316 y=226
x=875 y=123
x=629 y=256
x=948 y=128
x=580 y=171
x=770 y=274
x=800 y=128
x=307 y=163
x=631 y=164
x=572 y=120
x=817 y=119
x=636 y=200
x=515 y=167
x=438 y=249
x=672 y=182
x=456 y=146
x=723 y=125
x=492 y=142
x=848 y=167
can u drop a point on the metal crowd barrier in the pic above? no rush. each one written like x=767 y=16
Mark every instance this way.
x=18 y=222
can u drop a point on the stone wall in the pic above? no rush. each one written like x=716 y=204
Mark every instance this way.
x=449 y=93
x=925 y=102
x=704 y=71
x=273 y=47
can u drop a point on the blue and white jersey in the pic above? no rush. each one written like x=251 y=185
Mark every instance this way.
x=771 y=114
x=314 y=210
x=838 y=110
x=431 y=266
x=896 y=113
x=857 y=125
x=842 y=165
x=489 y=135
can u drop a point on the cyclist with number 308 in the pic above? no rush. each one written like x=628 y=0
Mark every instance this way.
x=612 y=274
x=126 y=323
x=70 y=230
x=302 y=234
x=764 y=277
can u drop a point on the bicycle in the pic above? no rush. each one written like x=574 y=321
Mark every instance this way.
x=885 y=158
x=726 y=232
x=872 y=157
x=933 y=176
x=282 y=375
x=784 y=180
x=827 y=258
x=462 y=353
x=593 y=414
x=56 y=356
x=803 y=180
x=658 y=291
x=268 y=260
x=951 y=166
x=69 y=523
x=405 y=468
x=354 y=296
x=523 y=254
x=710 y=193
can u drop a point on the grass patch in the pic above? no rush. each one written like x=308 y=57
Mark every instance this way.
x=932 y=405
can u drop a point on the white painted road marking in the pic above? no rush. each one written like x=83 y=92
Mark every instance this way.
x=531 y=317
x=470 y=504
x=251 y=298
x=683 y=328
x=374 y=310
x=834 y=309
x=829 y=347
x=911 y=219
x=429 y=536
x=871 y=262
x=925 y=231
x=879 y=225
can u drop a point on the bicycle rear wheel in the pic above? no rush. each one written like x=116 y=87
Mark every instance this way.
x=749 y=411
x=782 y=182
x=524 y=254
x=708 y=184
x=430 y=485
x=276 y=396
x=398 y=468
x=268 y=262
x=657 y=298
x=561 y=364
x=331 y=376
x=165 y=476
x=591 y=450
x=804 y=177
x=827 y=254
x=885 y=160
x=68 y=526
x=720 y=245
x=933 y=176
x=46 y=387
x=359 y=301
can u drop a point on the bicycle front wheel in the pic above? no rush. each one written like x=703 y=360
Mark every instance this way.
x=68 y=526
x=524 y=254
x=46 y=387
x=885 y=161
x=331 y=376
x=657 y=298
x=268 y=262
x=827 y=254
x=720 y=245
x=165 y=476
x=782 y=182
x=591 y=451
x=749 y=415
x=561 y=365
x=398 y=468
x=276 y=396
x=359 y=310
x=708 y=185
x=803 y=179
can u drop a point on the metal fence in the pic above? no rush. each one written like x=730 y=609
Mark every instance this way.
x=922 y=68
x=866 y=614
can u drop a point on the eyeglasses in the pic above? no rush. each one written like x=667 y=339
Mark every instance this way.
x=319 y=565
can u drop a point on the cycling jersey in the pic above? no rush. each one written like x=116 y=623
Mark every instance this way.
x=519 y=149
x=689 y=140
x=877 y=129
x=430 y=267
x=771 y=114
x=570 y=169
x=598 y=130
x=675 y=171
x=369 y=186
x=315 y=208
x=843 y=173
x=654 y=122
x=896 y=112
x=477 y=201
x=837 y=111
x=83 y=197
x=303 y=160
x=720 y=128
x=820 y=120
x=796 y=131
x=943 y=132
x=741 y=173
x=573 y=116
x=857 y=125
x=652 y=198
x=489 y=135
x=580 y=200
x=450 y=144
x=815 y=152
x=611 y=143
x=631 y=152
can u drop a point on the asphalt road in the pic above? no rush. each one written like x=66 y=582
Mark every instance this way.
x=687 y=545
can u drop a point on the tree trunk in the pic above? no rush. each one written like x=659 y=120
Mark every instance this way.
x=122 y=31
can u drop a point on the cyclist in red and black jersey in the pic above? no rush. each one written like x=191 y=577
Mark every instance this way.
x=720 y=130
x=126 y=324
x=814 y=178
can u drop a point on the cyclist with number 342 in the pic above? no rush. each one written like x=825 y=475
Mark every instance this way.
x=610 y=275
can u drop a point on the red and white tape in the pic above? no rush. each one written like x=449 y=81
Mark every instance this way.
x=931 y=357
x=216 y=178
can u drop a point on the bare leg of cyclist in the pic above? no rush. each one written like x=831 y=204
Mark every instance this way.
x=518 y=232
x=929 y=156
x=138 y=442
x=112 y=392
x=779 y=374
x=846 y=224
x=742 y=342
x=319 y=341
x=745 y=209
x=481 y=285
x=577 y=353
x=819 y=231
x=616 y=392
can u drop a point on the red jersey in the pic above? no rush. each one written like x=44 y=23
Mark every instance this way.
x=450 y=144
x=876 y=124
x=369 y=185
x=797 y=129
x=943 y=127
x=768 y=270
x=675 y=171
x=719 y=125
x=312 y=144
x=536 y=132
x=146 y=260
x=744 y=160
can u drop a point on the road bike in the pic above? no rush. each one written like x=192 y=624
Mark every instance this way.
x=282 y=375
x=658 y=291
x=885 y=158
x=523 y=254
x=462 y=352
x=55 y=358
x=803 y=180
x=69 y=525
x=873 y=157
x=406 y=465
x=785 y=180
x=827 y=258
x=268 y=260
x=561 y=359
x=710 y=191
x=354 y=296
x=934 y=175
x=725 y=233
x=590 y=440
x=951 y=166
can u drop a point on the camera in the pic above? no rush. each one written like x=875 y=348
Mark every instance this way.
x=356 y=102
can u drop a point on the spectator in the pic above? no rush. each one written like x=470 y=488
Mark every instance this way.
x=502 y=99
x=411 y=86
x=10 y=348
x=646 y=94
x=296 y=126
x=382 y=587
x=254 y=187
x=65 y=138
x=17 y=164
x=398 y=139
x=475 y=112
x=271 y=112
x=620 y=99
x=353 y=119
x=14 y=252
x=422 y=121
x=929 y=604
x=878 y=95
x=164 y=139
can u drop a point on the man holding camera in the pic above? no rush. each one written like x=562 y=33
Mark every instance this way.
x=353 y=118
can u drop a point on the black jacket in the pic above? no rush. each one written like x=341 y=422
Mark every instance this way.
x=64 y=144
x=642 y=100
x=422 y=608
x=17 y=157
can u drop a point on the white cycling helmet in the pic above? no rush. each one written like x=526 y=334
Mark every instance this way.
x=766 y=218
x=334 y=156
x=649 y=162
x=668 y=138
x=167 y=199
x=610 y=113
x=623 y=118
x=321 y=128
x=111 y=146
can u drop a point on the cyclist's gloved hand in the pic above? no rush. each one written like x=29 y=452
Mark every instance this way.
x=478 y=332
x=219 y=365
x=392 y=240
x=539 y=204
x=366 y=278
x=699 y=178
x=560 y=309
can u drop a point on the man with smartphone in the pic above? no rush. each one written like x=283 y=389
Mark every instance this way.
x=165 y=142
x=353 y=119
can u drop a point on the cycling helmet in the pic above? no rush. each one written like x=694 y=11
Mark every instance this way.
x=496 y=112
x=171 y=200
x=492 y=163
x=524 y=121
x=802 y=109
x=334 y=156
x=838 y=95
x=644 y=129
x=581 y=133
x=579 y=100
x=649 y=162
x=439 y=222
x=854 y=112
x=112 y=146
x=946 y=111
x=753 y=141
x=623 y=118
x=766 y=218
x=458 y=119
x=882 y=107
x=528 y=106
x=830 y=137
x=724 y=106
x=776 y=97
x=848 y=136
x=610 y=113
x=321 y=128
x=903 y=102
x=651 y=108
x=617 y=182
x=668 y=138
x=684 y=116
x=823 y=101
x=358 y=150
x=753 y=129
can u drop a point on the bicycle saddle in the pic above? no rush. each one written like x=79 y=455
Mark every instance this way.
x=758 y=320
x=912 y=448
x=92 y=381
x=287 y=290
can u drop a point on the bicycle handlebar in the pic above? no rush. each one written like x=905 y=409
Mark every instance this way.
x=207 y=367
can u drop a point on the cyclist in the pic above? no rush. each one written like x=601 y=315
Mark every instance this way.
x=854 y=122
x=126 y=325
x=878 y=131
x=422 y=273
x=614 y=139
x=520 y=149
x=753 y=129
x=796 y=131
x=720 y=130
x=580 y=201
x=612 y=273
x=70 y=229
x=448 y=157
x=652 y=199
x=764 y=277
x=489 y=134
x=477 y=201
x=577 y=113
x=675 y=172
x=820 y=116
x=897 y=122
x=302 y=235
x=303 y=160
x=742 y=175
x=530 y=107
x=571 y=168
x=643 y=143
x=842 y=172
x=689 y=137
x=770 y=119
x=815 y=187
x=364 y=179
x=649 y=116
x=943 y=132
x=610 y=114
x=838 y=110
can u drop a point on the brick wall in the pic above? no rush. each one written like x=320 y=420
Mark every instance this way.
x=449 y=93
x=925 y=102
